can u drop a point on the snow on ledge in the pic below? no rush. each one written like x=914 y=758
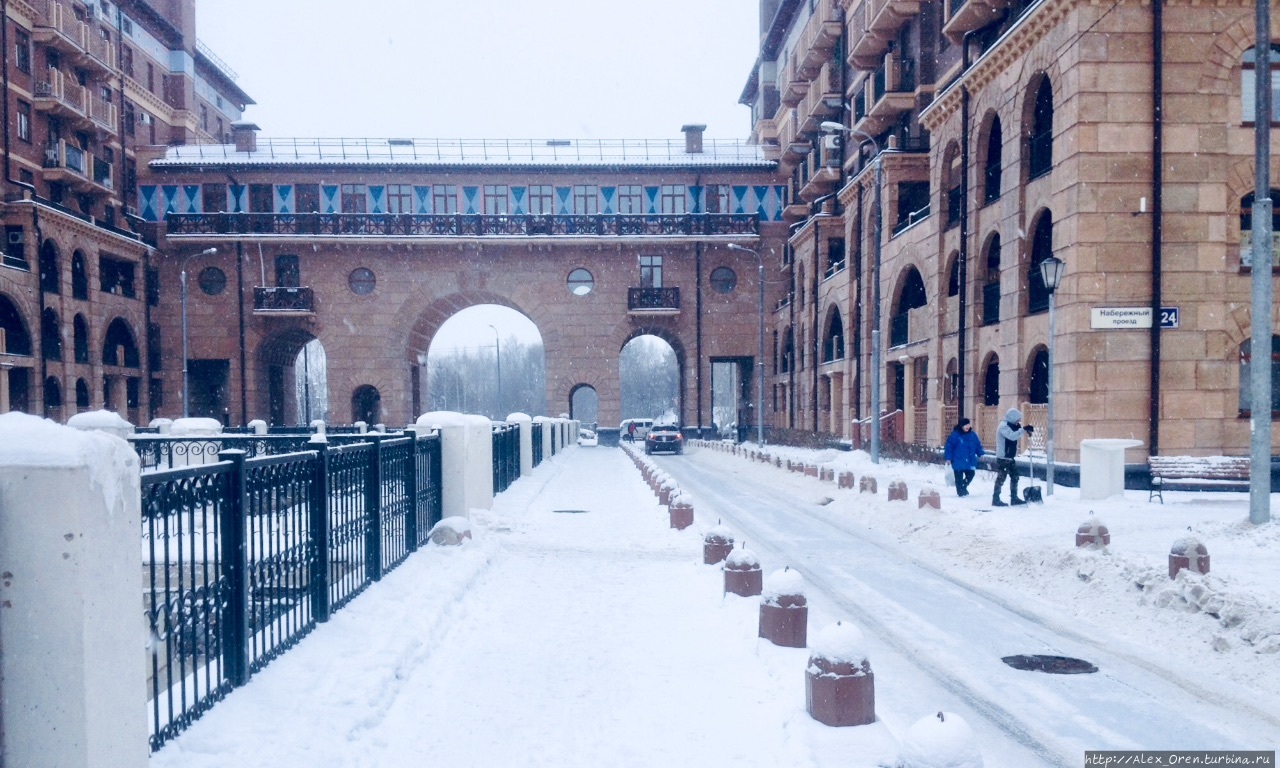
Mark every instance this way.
x=98 y=420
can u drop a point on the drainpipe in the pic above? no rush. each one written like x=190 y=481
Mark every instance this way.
x=815 y=281
x=1157 y=214
x=4 y=65
x=244 y=396
x=697 y=375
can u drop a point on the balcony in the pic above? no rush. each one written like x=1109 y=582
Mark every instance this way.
x=890 y=91
x=66 y=163
x=103 y=115
x=967 y=15
x=99 y=55
x=818 y=38
x=792 y=87
x=865 y=46
x=284 y=302
x=886 y=17
x=463 y=225
x=58 y=28
x=823 y=101
x=908 y=327
x=653 y=301
x=823 y=181
x=53 y=94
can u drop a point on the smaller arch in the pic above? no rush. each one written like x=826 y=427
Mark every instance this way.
x=366 y=405
x=991 y=157
x=82 y=394
x=951 y=385
x=1041 y=249
x=80 y=338
x=788 y=350
x=50 y=335
x=50 y=271
x=1038 y=127
x=953 y=274
x=17 y=340
x=52 y=398
x=991 y=380
x=584 y=403
x=1038 y=378
x=79 y=276
x=911 y=294
x=118 y=345
x=952 y=181
x=833 y=337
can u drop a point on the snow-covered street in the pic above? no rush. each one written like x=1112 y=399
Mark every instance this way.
x=578 y=629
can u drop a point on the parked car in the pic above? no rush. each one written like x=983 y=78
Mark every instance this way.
x=664 y=438
x=642 y=428
x=587 y=437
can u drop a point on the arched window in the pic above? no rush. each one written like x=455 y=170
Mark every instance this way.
x=50 y=335
x=1040 y=139
x=991 y=283
x=1041 y=249
x=788 y=351
x=912 y=297
x=119 y=348
x=1246 y=227
x=82 y=394
x=79 y=277
x=80 y=332
x=16 y=340
x=991 y=166
x=951 y=388
x=366 y=405
x=833 y=338
x=954 y=178
x=1248 y=78
x=1039 y=384
x=1246 y=373
x=50 y=276
x=953 y=276
x=991 y=382
x=52 y=397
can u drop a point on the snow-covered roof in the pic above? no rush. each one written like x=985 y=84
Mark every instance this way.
x=471 y=152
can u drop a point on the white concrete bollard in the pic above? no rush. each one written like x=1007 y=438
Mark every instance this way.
x=479 y=461
x=74 y=691
x=525 y=422
x=454 y=501
x=547 y=427
x=103 y=421
x=258 y=426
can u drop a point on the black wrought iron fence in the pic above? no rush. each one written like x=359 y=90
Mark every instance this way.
x=536 y=433
x=506 y=456
x=244 y=555
x=167 y=452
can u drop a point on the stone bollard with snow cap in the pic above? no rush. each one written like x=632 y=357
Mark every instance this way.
x=784 y=612
x=666 y=491
x=1092 y=534
x=942 y=740
x=717 y=543
x=846 y=480
x=867 y=484
x=1188 y=554
x=897 y=490
x=929 y=497
x=840 y=689
x=742 y=574
x=680 y=510
x=451 y=532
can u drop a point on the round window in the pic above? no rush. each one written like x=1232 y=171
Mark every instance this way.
x=362 y=281
x=581 y=282
x=723 y=280
x=213 y=281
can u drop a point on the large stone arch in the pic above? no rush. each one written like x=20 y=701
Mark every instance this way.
x=677 y=346
x=275 y=397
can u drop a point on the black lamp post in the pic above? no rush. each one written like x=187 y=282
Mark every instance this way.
x=1051 y=270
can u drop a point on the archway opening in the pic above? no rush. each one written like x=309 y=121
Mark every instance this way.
x=584 y=405
x=487 y=359
x=311 y=384
x=649 y=376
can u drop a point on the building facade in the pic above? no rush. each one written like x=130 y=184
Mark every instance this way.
x=1001 y=134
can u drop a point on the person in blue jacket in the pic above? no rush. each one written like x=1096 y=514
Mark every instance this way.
x=962 y=452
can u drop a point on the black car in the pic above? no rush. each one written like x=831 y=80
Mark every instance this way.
x=664 y=437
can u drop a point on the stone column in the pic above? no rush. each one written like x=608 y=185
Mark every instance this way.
x=72 y=633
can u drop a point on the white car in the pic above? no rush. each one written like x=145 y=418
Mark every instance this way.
x=587 y=437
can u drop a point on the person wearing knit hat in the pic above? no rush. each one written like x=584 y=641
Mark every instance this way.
x=962 y=451
x=1008 y=434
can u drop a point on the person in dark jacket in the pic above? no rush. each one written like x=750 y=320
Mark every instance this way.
x=962 y=452
x=1008 y=434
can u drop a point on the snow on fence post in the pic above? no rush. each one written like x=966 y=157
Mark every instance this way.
x=74 y=691
x=525 y=422
x=546 y=436
x=258 y=426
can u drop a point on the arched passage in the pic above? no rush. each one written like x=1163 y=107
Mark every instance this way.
x=488 y=359
x=584 y=405
x=366 y=405
x=279 y=376
x=118 y=345
x=650 y=374
x=911 y=295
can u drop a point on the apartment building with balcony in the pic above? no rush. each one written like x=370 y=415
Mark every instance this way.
x=87 y=84
x=1005 y=132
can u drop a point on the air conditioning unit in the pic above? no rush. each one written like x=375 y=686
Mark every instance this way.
x=144 y=118
x=832 y=142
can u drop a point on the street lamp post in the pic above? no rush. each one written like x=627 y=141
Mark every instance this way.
x=1051 y=271
x=182 y=276
x=830 y=126
x=497 y=350
x=760 y=353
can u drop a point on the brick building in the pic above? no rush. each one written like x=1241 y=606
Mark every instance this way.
x=1006 y=133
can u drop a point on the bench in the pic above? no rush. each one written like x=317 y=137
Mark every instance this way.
x=1216 y=473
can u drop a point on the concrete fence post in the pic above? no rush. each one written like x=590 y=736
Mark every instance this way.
x=525 y=422
x=72 y=630
x=546 y=435
x=454 y=501
x=480 y=461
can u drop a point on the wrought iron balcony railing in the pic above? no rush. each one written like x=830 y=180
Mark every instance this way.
x=284 y=300
x=463 y=225
x=653 y=299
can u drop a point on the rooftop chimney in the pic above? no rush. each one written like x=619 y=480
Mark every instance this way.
x=245 y=136
x=693 y=138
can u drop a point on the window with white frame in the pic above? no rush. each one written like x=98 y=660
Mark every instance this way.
x=673 y=199
x=630 y=199
x=1248 y=80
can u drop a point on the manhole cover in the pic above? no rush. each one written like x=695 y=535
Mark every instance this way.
x=570 y=511
x=1054 y=665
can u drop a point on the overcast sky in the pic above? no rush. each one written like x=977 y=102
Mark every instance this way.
x=499 y=69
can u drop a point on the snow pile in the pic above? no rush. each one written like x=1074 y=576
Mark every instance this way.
x=718 y=534
x=742 y=559
x=195 y=426
x=30 y=441
x=943 y=740
x=98 y=420
x=783 y=584
x=839 y=643
x=451 y=531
